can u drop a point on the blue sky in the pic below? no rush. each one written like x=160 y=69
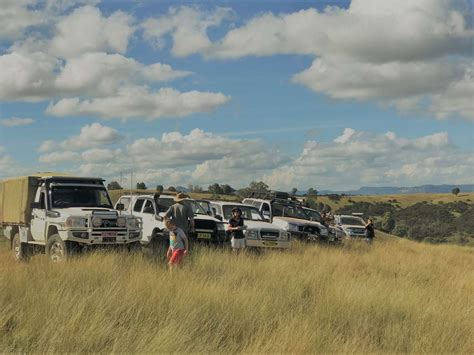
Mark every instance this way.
x=325 y=94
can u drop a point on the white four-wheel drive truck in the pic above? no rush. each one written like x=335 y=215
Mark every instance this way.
x=61 y=215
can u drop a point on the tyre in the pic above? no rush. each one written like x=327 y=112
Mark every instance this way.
x=59 y=250
x=20 y=250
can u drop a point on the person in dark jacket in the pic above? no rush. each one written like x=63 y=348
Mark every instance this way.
x=369 y=229
x=236 y=229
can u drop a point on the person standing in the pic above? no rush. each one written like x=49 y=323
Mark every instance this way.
x=182 y=214
x=236 y=229
x=179 y=244
x=369 y=230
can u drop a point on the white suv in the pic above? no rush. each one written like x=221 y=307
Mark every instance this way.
x=206 y=228
x=259 y=233
x=350 y=226
x=291 y=217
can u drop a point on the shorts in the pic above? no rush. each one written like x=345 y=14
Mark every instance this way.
x=237 y=243
x=176 y=257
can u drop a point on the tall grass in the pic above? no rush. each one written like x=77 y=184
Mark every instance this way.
x=393 y=296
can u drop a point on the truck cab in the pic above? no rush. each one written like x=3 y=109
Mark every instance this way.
x=64 y=215
x=151 y=210
x=259 y=232
x=289 y=216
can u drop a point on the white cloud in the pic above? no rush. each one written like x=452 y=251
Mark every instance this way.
x=93 y=135
x=102 y=74
x=188 y=27
x=27 y=76
x=386 y=81
x=194 y=148
x=458 y=99
x=86 y=30
x=358 y=158
x=353 y=159
x=16 y=121
x=15 y=17
x=32 y=75
x=174 y=158
x=56 y=158
x=138 y=102
x=410 y=54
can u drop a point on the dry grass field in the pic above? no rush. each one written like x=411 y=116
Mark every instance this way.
x=393 y=296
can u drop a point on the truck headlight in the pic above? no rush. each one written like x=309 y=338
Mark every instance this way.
x=132 y=223
x=284 y=235
x=121 y=222
x=220 y=227
x=292 y=227
x=251 y=234
x=96 y=222
x=75 y=222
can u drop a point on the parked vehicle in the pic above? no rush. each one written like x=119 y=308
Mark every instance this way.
x=151 y=211
x=315 y=216
x=61 y=215
x=288 y=215
x=348 y=226
x=259 y=232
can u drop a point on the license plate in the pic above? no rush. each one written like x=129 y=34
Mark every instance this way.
x=269 y=243
x=109 y=239
x=109 y=234
x=204 y=235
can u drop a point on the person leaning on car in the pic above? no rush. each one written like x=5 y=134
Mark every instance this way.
x=182 y=214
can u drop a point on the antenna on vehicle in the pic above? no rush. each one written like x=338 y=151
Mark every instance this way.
x=131 y=193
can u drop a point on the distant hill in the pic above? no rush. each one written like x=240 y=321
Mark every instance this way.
x=391 y=190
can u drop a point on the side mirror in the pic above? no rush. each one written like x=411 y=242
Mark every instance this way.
x=36 y=205
x=158 y=218
x=219 y=217
x=120 y=207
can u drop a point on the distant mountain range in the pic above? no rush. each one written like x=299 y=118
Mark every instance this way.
x=391 y=190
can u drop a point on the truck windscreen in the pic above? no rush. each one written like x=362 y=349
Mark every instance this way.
x=288 y=210
x=79 y=196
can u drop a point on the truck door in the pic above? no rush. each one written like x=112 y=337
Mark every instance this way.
x=148 y=217
x=266 y=212
x=38 y=218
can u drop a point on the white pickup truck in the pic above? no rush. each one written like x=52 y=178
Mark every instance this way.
x=152 y=209
x=291 y=217
x=259 y=233
x=62 y=215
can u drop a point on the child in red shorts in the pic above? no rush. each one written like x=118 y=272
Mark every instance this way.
x=179 y=244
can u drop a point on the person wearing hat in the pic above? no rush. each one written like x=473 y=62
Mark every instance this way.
x=236 y=229
x=181 y=213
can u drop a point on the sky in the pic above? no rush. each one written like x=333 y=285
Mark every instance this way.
x=323 y=94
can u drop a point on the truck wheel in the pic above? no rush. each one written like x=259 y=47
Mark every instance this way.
x=58 y=250
x=20 y=250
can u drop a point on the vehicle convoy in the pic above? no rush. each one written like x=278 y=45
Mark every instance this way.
x=259 y=232
x=61 y=215
x=348 y=226
x=151 y=209
x=277 y=208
